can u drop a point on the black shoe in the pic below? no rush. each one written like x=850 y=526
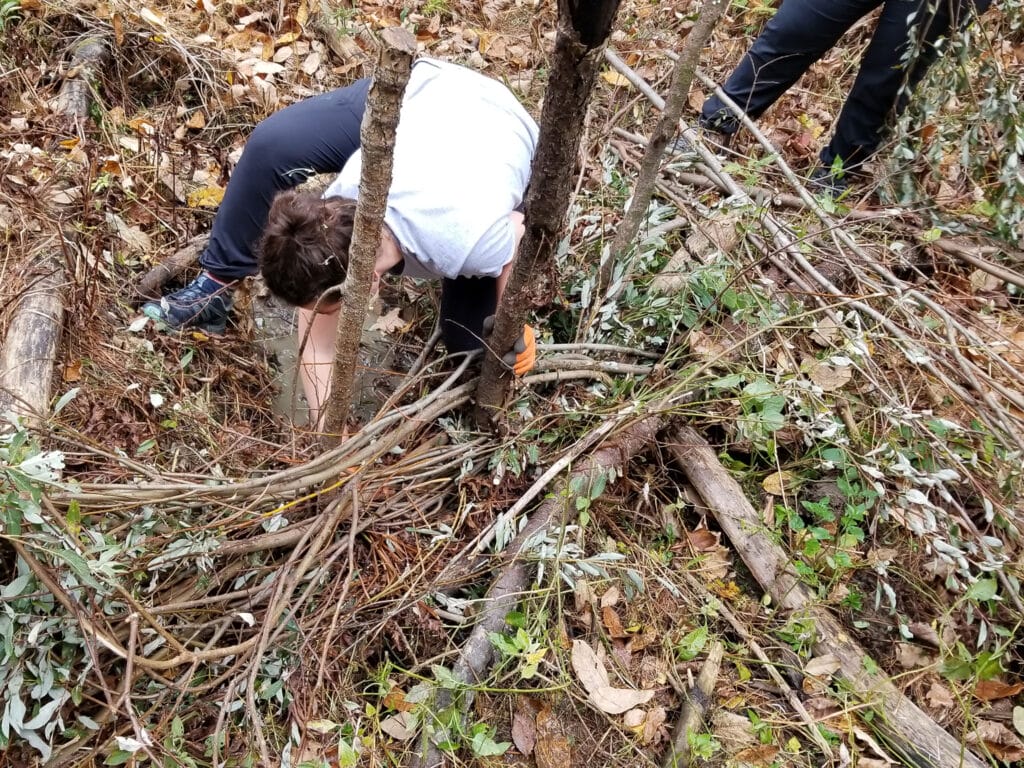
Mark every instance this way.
x=825 y=181
x=717 y=142
x=204 y=304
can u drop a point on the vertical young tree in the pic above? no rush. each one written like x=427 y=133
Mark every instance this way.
x=583 y=29
x=667 y=127
x=377 y=140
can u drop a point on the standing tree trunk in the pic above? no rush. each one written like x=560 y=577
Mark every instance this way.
x=643 y=190
x=377 y=141
x=583 y=28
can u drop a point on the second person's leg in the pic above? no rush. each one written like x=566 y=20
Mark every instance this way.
x=799 y=34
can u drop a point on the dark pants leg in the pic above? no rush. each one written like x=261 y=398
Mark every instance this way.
x=799 y=34
x=803 y=30
x=465 y=303
x=316 y=135
x=883 y=84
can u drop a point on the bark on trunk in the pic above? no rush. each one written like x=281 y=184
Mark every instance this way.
x=150 y=284
x=583 y=28
x=377 y=141
x=667 y=127
x=909 y=732
x=87 y=57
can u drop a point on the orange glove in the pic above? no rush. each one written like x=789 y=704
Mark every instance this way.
x=523 y=355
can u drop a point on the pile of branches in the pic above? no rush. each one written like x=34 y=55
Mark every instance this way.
x=190 y=597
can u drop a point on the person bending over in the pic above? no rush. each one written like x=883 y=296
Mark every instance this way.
x=462 y=158
x=901 y=49
x=463 y=151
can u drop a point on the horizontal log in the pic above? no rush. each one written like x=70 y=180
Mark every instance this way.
x=914 y=737
x=29 y=350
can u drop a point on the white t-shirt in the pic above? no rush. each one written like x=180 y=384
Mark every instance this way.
x=462 y=160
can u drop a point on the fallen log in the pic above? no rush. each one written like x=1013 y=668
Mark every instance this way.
x=26 y=363
x=513 y=580
x=150 y=284
x=30 y=348
x=696 y=703
x=915 y=738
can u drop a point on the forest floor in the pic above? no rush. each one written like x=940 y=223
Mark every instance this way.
x=187 y=578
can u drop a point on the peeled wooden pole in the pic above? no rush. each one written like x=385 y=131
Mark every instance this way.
x=377 y=141
x=513 y=581
x=915 y=738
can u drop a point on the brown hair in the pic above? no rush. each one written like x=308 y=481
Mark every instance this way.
x=304 y=248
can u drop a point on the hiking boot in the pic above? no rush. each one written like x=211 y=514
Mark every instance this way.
x=204 y=304
x=717 y=141
x=825 y=181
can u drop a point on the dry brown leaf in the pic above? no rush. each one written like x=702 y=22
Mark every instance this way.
x=733 y=730
x=615 y=78
x=613 y=623
x=705 y=346
x=762 y=755
x=206 y=197
x=653 y=725
x=389 y=323
x=583 y=596
x=552 y=748
x=830 y=378
x=703 y=540
x=822 y=666
x=634 y=719
x=779 y=483
x=984 y=282
x=998 y=739
x=588 y=667
x=398 y=726
x=826 y=333
x=615 y=701
x=524 y=732
x=611 y=597
x=912 y=656
x=939 y=696
x=153 y=17
x=395 y=699
x=312 y=63
x=925 y=633
x=990 y=690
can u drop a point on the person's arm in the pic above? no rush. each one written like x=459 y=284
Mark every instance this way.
x=316 y=359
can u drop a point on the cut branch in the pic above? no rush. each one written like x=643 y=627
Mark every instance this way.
x=919 y=740
x=514 y=578
x=667 y=127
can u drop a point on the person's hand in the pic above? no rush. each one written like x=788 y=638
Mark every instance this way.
x=523 y=355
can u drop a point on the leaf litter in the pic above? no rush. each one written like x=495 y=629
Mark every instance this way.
x=212 y=418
